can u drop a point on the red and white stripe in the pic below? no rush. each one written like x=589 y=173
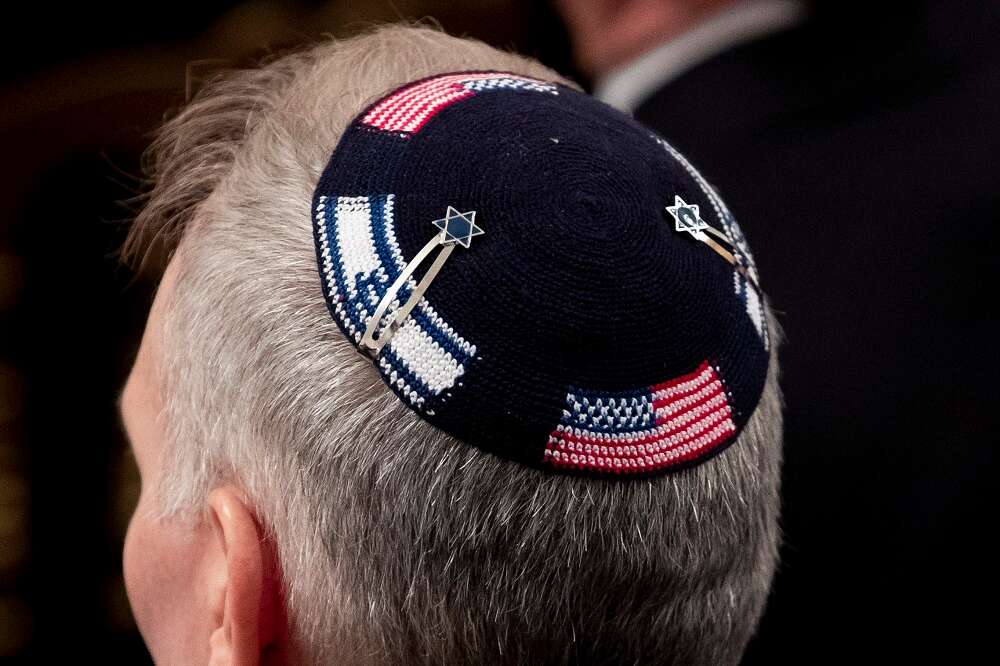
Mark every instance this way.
x=693 y=417
x=409 y=109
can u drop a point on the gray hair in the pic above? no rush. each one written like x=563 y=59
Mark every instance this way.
x=397 y=543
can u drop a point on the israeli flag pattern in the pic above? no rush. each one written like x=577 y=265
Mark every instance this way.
x=360 y=259
x=645 y=430
x=745 y=291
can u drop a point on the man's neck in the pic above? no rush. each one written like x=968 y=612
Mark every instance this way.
x=649 y=27
x=626 y=85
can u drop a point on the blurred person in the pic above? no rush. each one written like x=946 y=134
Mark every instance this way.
x=857 y=143
x=573 y=453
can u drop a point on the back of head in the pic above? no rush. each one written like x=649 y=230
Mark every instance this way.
x=398 y=543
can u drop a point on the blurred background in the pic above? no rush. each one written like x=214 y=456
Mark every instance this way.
x=856 y=142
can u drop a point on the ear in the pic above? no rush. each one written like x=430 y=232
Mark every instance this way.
x=245 y=598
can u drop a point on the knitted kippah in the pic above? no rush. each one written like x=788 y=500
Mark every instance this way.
x=585 y=321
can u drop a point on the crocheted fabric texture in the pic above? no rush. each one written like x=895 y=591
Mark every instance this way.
x=581 y=332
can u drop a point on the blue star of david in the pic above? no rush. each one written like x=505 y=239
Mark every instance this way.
x=687 y=218
x=458 y=227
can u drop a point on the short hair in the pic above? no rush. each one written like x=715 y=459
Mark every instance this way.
x=397 y=543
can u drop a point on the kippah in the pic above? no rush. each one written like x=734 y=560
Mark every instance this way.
x=599 y=312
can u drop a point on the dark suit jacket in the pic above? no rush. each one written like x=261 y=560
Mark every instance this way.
x=861 y=154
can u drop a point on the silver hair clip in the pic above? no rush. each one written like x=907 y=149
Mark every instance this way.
x=456 y=229
x=687 y=219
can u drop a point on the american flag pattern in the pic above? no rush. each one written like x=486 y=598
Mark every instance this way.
x=660 y=426
x=409 y=109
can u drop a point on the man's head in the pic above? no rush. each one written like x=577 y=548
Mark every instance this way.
x=293 y=506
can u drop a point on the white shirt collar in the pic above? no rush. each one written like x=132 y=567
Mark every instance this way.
x=626 y=86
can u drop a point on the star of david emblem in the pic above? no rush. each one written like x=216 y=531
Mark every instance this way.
x=458 y=227
x=687 y=218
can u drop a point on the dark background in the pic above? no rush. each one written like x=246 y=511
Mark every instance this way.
x=888 y=552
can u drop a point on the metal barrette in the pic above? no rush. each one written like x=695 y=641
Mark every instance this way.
x=456 y=228
x=687 y=219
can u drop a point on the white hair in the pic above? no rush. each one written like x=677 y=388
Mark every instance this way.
x=397 y=543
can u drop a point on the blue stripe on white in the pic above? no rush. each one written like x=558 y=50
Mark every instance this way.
x=332 y=265
x=360 y=260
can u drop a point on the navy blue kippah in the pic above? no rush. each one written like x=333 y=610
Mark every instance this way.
x=585 y=321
